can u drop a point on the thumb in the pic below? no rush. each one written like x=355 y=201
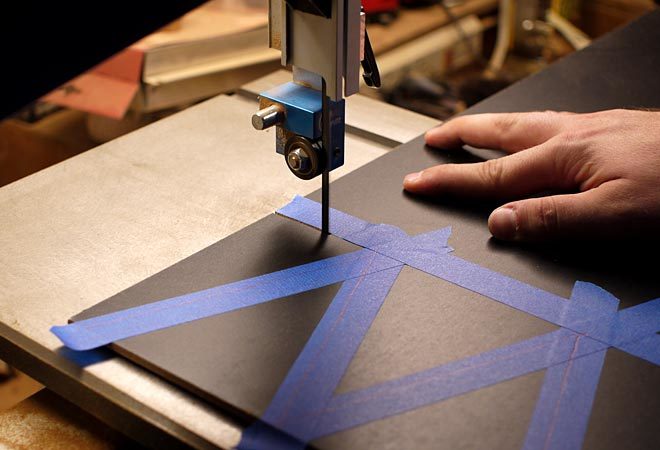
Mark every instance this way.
x=587 y=214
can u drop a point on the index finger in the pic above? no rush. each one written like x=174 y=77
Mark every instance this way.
x=510 y=132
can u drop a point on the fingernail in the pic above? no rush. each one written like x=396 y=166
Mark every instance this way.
x=502 y=223
x=412 y=177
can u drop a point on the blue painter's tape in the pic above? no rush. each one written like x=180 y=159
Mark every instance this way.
x=638 y=321
x=514 y=293
x=562 y=411
x=345 y=226
x=318 y=369
x=449 y=380
x=102 y=330
x=330 y=349
x=573 y=355
x=592 y=315
x=647 y=348
x=430 y=253
x=305 y=407
x=435 y=259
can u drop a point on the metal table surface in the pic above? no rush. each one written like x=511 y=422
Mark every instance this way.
x=83 y=230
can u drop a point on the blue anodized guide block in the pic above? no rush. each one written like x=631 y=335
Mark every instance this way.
x=304 y=107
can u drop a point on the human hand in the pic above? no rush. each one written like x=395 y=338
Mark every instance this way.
x=608 y=162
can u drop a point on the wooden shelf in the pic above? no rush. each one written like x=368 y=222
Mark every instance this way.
x=413 y=23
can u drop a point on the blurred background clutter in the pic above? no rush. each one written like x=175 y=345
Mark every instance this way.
x=436 y=58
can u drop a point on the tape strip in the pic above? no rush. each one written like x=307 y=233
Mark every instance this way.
x=563 y=408
x=102 y=330
x=304 y=407
x=634 y=323
x=587 y=312
x=561 y=416
x=317 y=371
x=449 y=380
x=324 y=360
x=395 y=397
x=647 y=348
x=433 y=258
x=341 y=224
x=316 y=417
x=562 y=411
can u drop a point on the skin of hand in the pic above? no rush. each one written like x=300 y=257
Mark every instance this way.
x=607 y=163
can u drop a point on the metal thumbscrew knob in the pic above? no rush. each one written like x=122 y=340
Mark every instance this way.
x=268 y=117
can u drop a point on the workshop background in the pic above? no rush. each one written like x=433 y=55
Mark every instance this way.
x=436 y=58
